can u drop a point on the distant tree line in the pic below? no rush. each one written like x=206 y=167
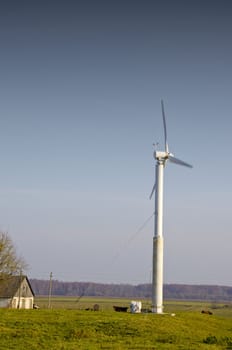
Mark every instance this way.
x=171 y=291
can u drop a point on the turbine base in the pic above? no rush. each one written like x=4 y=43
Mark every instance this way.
x=157 y=309
x=157 y=281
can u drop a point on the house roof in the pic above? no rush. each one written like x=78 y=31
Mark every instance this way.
x=10 y=284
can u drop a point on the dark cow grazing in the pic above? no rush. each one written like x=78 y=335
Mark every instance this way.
x=120 y=308
x=96 y=307
x=207 y=312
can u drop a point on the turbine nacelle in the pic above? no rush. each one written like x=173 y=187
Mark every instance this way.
x=161 y=155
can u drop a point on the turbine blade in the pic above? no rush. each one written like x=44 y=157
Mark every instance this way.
x=165 y=128
x=153 y=189
x=178 y=161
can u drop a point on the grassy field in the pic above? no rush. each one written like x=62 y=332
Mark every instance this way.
x=68 y=326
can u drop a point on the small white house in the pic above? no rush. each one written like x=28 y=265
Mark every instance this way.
x=16 y=293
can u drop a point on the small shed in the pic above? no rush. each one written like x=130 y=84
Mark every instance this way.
x=16 y=293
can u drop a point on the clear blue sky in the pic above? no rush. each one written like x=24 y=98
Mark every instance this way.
x=80 y=86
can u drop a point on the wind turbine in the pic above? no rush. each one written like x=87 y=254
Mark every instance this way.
x=157 y=274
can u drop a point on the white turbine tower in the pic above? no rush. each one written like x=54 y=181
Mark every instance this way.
x=157 y=274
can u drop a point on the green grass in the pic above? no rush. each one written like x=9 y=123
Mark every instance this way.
x=69 y=329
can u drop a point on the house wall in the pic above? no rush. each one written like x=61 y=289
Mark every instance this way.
x=22 y=303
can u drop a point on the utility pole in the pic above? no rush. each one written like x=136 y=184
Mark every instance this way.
x=20 y=282
x=50 y=291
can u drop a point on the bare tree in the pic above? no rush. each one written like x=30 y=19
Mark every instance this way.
x=10 y=262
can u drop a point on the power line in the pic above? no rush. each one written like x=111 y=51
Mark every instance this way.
x=131 y=238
